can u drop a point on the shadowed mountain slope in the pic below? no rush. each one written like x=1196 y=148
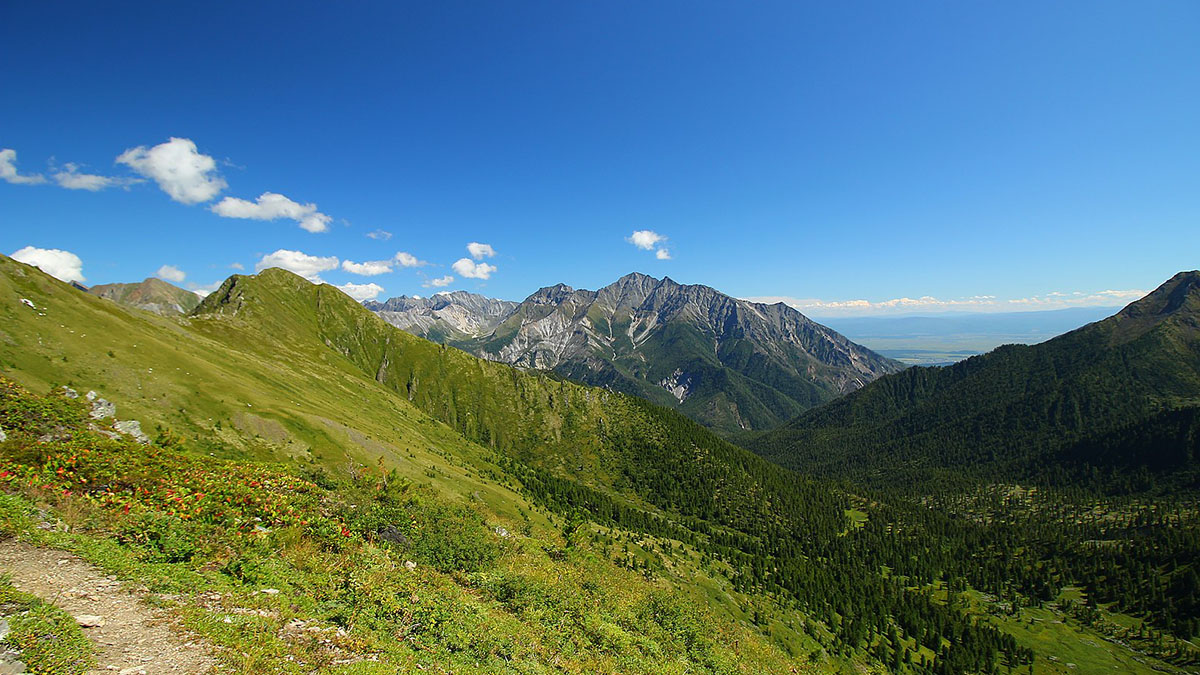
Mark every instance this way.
x=1025 y=411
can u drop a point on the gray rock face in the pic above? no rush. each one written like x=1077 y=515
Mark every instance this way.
x=132 y=428
x=455 y=314
x=101 y=408
x=683 y=345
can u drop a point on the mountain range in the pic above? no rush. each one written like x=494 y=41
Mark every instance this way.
x=730 y=364
x=1034 y=506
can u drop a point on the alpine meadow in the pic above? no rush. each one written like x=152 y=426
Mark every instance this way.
x=682 y=338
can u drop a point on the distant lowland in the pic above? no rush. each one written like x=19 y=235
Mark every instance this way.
x=942 y=339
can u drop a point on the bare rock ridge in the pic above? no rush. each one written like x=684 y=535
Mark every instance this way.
x=728 y=363
x=152 y=295
x=447 y=314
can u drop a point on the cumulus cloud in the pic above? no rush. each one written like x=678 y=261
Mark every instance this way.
x=408 y=260
x=70 y=178
x=273 y=206
x=361 y=292
x=62 y=265
x=480 y=251
x=645 y=239
x=8 y=170
x=185 y=174
x=974 y=303
x=171 y=273
x=236 y=266
x=367 y=269
x=440 y=282
x=381 y=235
x=307 y=266
x=465 y=267
x=204 y=290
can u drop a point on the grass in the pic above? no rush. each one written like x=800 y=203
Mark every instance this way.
x=209 y=536
x=304 y=458
x=1064 y=645
x=46 y=638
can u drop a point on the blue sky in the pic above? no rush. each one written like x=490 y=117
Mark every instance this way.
x=847 y=156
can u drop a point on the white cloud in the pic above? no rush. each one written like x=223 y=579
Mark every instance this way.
x=480 y=251
x=381 y=235
x=204 y=291
x=8 y=170
x=62 y=265
x=362 y=292
x=976 y=303
x=662 y=254
x=236 y=266
x=185 y=174
x=273 y=206
x=71 y=179
x=307 y=266
x=408 y=260
x=440 y=282
x=368 y=269
x=645 y=239
x=171 y=273
x=465 y=267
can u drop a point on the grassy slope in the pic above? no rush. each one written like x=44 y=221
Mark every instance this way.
x=286 y=569
x=245 y=394
x=309 y=379
x=232 y=391
x=592 y=436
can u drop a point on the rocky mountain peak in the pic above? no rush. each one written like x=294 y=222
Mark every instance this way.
x=551 y=295
x=727 y=362
x=151 y=294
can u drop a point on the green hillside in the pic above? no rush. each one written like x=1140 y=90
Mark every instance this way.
x=707 y=558
x=1067 y=465
x=1039 y=412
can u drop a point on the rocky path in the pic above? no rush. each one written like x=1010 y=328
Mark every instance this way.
x=130 y=637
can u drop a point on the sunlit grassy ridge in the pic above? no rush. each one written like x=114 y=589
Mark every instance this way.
x=287 y=568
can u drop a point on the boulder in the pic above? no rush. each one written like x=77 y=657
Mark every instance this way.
x=132 y=428
x=102 y=408
x=89 y=621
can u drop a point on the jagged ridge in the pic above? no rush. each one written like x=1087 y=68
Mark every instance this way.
x=728 y=363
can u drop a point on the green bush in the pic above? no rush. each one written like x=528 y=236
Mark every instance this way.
x=162 y=538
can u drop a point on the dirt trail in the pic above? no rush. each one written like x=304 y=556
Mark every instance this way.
x=135 y=638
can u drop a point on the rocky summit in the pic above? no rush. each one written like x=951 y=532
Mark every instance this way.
x=731 y=364
x=152 y=295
